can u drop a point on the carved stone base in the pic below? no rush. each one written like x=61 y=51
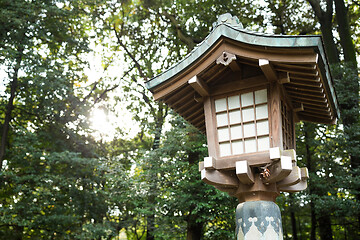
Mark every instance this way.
x=257 y=220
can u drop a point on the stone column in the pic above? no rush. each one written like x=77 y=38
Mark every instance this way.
x=257 y=220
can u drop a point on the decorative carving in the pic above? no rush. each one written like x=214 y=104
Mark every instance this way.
x=258 y=220
x=226 y=58
x=227 y=18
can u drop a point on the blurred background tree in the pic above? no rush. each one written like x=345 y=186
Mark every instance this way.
x=59 y=181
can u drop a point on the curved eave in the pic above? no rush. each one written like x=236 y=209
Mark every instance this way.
x=224 y=30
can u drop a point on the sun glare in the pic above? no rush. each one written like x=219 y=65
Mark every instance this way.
x=101 y=125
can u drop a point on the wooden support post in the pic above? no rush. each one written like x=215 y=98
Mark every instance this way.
x=244 y=172
x=210 y=122
x=275 y=114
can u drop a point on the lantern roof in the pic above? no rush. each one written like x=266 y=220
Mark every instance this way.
x=232 y=55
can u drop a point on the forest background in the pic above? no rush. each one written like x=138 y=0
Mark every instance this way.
x=60 y=179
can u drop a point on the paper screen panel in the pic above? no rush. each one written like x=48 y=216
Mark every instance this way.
x=234 y=102
x=261 y=96
x=235 y=117
x=263 y=143
x=247 y=99
x=225 y=149
x=220 y=105
x=250 y=145
x=262 y=112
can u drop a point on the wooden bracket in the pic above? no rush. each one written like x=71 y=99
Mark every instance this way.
x=292 y=179
x=244 y=172
x=290 y=153
x=275 y=153
x=209 y=163
x=280 y=170
x=300 y=186
x=225 y=58
x=219 y=178
x=268 y=70
x=304 y=174
x=201 y=166
x=199 y=86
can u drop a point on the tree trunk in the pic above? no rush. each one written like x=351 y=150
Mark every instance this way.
x=313 y=221
x=328 y=38
x=346 y=40
x=293 y=217
x=325 y=227
x=308 y=130
x=10 y=107
x=325 y=19
x=194 y=230
x=299 y=227
x=293 y=225
x=323 y=218
x=150 y=224
x=349 y=119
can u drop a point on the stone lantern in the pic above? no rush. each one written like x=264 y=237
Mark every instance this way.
x=246 y=91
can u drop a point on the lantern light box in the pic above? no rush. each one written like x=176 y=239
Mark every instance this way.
x=246 y=91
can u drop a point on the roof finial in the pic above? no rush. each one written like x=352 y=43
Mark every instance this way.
x=227 y=18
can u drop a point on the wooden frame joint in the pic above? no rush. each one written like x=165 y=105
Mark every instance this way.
x=284 y=78
x=298 y=107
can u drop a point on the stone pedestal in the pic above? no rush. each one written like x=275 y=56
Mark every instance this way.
x=257 y=220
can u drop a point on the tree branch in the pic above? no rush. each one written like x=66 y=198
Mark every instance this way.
x=112 y=88
x=189 y=41
x=356 y=2
x=10 y=104
x=329 y=8
x=137 y=65
x=315 y=4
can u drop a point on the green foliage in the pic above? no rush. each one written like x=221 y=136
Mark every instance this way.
x=57 y=182
x=50 y=193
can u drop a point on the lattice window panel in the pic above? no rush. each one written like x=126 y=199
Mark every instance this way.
x=243 y=123
x=287 y=126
